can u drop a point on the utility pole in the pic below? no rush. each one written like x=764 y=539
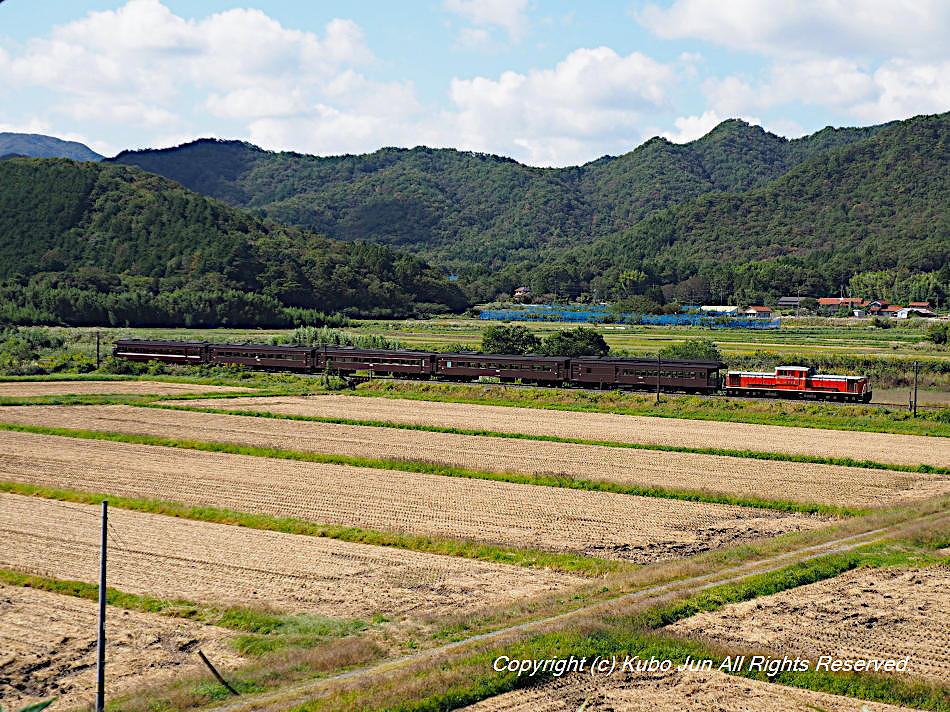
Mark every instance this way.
x=658 y=377
x=101 y=646
x=98 y=360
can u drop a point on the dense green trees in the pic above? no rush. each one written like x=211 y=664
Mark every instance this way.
x=739 y=215
x=86 y=243
x=692 y=350
x=582 y=341
x=514 y=339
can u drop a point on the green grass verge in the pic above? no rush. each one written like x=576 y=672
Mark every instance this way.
x=567 y=563
x=725 y=452
x=470 y=678
x=444 y=470
x=803 y=414
x=262 y=631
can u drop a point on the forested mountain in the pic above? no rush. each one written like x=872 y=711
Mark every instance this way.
x=91 y=242
x=882 y=203
x=475 y=211
x=39 y=146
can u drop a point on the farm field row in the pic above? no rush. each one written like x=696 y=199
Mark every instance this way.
x=865 y=613
x=26 y=389
x=636 y=529
x=670 y=692
x=739 y=477
x=48 y=648
x=877 y=447
x=223 y=565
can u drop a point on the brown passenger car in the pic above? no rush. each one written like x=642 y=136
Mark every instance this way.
x=605 y=372
x=531 y=368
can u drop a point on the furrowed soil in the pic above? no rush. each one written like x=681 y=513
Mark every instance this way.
x=637 y=529
x=48 y=648
x=26 y=389
x=878 y=447
x=218 y=564
x=742 y=477
x=670 y=692
x=865 y=613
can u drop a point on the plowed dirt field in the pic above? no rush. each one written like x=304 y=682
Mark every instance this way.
x=879 y=447
x=866 y=613
x=48 y=648
x=671 y=692
x=639 y=529
x=219 y=564
x=766 y=479
x=57 y=388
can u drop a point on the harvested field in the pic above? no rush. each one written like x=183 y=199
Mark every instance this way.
x=866 y=613
x=670 y=692
x=741 y=477
x=878 y=447
x=48 y=648
x=26 y=389
x=223 y=565
x=638 y=529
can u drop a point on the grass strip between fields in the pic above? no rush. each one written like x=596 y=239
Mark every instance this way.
x=565 y=562
x=724 y=452
x=469 y=678
x=445 y=471
x=263 y=631
x=801 y=414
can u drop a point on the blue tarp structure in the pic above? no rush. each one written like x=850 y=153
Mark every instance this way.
x=599 y=315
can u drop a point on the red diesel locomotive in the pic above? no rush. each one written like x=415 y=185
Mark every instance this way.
x=797 y=382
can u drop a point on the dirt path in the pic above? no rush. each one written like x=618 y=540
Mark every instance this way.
x=639 y=529
x=867 y=613
x=25 y=389
x=48 y=648
x=700 y=691
x=162 y=556
x=878 y=447
x=742 y=477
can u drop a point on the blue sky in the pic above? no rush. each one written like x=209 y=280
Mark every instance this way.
x=542 y=81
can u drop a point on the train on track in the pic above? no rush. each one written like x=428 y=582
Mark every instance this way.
x=584 y=371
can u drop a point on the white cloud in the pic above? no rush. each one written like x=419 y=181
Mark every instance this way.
x=808 y=28
x=133 y=64
x=473 y=38
x=897 y=89
x=509 y=15
x=589 y=103
x=690 y=128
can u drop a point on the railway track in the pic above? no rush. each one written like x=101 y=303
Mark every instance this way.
x=665 y=394
x=300 y=693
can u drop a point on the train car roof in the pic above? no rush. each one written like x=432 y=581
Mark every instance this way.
x=479 y=354
x=650 y=361
x=163 y=342
x=360 y=350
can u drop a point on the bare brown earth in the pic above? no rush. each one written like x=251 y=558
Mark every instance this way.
x=48 y=648
x=866 y=613
x=25 y=389
x=765 y=479
x=878 y=447
x=639 y=529
x=687 y=691
x=162 y=556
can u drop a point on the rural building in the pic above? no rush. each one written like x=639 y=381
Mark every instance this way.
x=909 y=311
x=719 y=310
x=756 y=312
x=790 y=302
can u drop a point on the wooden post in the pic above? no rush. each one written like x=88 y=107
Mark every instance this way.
x=217 y=675
x=101 y=644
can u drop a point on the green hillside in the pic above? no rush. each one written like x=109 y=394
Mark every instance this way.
x=93 y=242
x=882 y=203
x=479 y=212
x=40 y=146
